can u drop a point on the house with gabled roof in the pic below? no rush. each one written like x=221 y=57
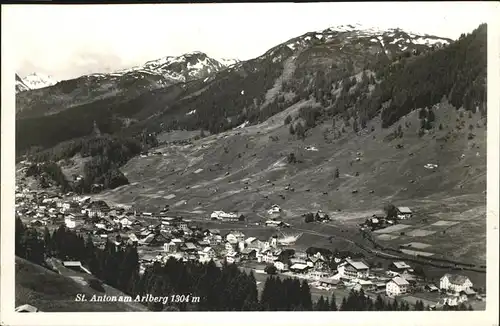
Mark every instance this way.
x=404 y=212
x=455 y=283
x=206 y=254
x=233 y=257
x=399 y=267
x=189 y=247
x=235 y=237
x=299 y=268
x=397 y=286
x=351 y=269
x=316 y=262
x=280 y=266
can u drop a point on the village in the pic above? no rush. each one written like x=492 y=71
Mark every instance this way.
x=161 y=235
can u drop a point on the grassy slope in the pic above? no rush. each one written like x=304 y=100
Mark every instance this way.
x=383 y=168
x=52 y=292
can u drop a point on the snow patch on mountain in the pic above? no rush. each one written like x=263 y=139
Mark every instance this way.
x=227 y=62
x=38 y=80
x=20 y=85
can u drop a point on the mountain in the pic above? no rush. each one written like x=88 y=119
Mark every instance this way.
x=347 y=70
x=126 y=83
x=350 y=71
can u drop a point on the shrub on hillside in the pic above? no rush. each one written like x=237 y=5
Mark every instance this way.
x=271 y=270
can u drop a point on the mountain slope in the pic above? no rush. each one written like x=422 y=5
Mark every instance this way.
x=247 y=170
x=127 y=83
x=51 y=292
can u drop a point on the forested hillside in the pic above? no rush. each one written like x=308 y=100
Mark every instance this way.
x=457 y=72
x=107 y=154
x=350 y=76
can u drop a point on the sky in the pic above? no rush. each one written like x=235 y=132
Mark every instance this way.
x=67 y=41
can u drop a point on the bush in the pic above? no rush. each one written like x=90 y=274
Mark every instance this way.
x=271 y=270
x=96 y=285
x=309 y=217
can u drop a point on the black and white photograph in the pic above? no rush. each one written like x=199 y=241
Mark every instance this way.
x=250 y=157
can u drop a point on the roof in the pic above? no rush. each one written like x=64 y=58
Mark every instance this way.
x=207 y=249
x=400 y=281
x=26 y=308
x=72 y=263
x=456 y=279
x=298 y=261
x=469 y=291
x=190 y=245
x=214 y=231
x=365 y=282
x=298 y=266
x=404 y=210
x=149 y=238
x=401 y=264
x=329 y=281
x=250 y=240
x=357 y=264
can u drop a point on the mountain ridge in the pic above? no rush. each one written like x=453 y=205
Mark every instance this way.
x=347 y=72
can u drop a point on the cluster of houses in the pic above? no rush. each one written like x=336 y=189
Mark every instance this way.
x=380 y=221
x=160 y=236
x=226 y=217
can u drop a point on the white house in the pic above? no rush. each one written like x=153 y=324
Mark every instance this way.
x=351 y=269
x=235 y=237
x=455 y=283
x=125 y=222
x=404 y=213
x=397 y=286
x=317 y=275
x=206 y=254
x=221 y=215
x=170 y=246
x=268 y=257
x=229 y=247
x=70 y=222
x=233 y=257
x=299 y=268
x=274 y=209
x=399 y=267
x=280 y=266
